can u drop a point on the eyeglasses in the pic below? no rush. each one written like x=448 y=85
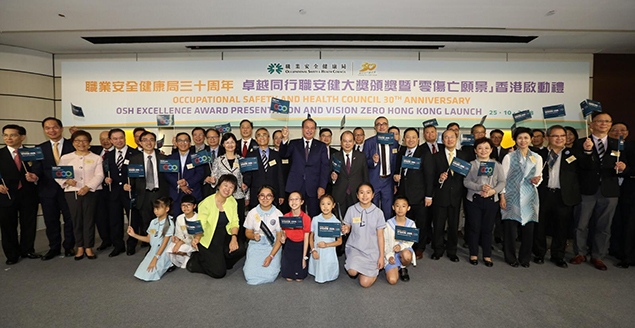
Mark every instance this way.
x=295 y=199
x=558 y=136
x=182 y=141
x=10 y=135
x=267 y=196
x=213 y=137
x=148 y=140
x=602 y=121
x=187 y=205
x=81 y=140
x=261 y=135
x=381 y=124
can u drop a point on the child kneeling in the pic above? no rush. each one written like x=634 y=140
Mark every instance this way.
x=399 y=253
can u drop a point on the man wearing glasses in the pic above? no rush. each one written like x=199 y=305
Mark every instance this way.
x=189 y=179
x=599 y=169
x=269 y=171
x=215 y=150
x=382 y=165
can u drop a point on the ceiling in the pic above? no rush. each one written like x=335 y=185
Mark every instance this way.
x=567 y=26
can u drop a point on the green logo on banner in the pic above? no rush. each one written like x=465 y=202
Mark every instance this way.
x=274 y=68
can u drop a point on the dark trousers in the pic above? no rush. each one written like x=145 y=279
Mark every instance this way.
x=51 y=208
x=479 y=223
x=83 y=214
x=117 y=207
x=241 y=217
x=443 y=215
x=102 y=217
x=418 y=213
x=384 y=195
x=554 y=216
x=24 y=211
x=141 y=222
x=498 y=225
x=215 y=260
x=598 y=211
x=623 y=229
x=526 y=239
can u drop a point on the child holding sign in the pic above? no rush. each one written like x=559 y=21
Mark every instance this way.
x=399 y=253
x=156 y=263
x=323 y=264
x=365 y=245
x=296 y=242
x=187 y=225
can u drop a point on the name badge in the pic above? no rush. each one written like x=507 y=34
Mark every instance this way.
x=153 y=231
x=126 y=162
x=571 y=159
x=615 y=153
x=533 y=160
x=357 y=220
x=394 y=151
x=272 y=162
x=189 y=166
x=285 y=161
x=89 y=161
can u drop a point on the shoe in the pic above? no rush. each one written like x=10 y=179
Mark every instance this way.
x=578 y=259
x=32 y=256
x=419 y=254
x=623 y=264
x=69 y=252
x=403 y=274
x=513 y=264
x=11 y=261
x=453 y=258
x=488 y=264
x=474 y=262
x=171 y=268
x=465 y=245
x=130 y=252
x=77 y=258
x=598 y=264
x=539 y=260
x=524 y=265
x=103 y=247
x=50 y=255
x=498 y=240
x=435 y=257
x=115 y=252
x=93 y=257
x=560 y=263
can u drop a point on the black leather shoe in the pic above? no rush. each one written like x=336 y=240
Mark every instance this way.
x=11 y=261
x=435 y=257
x=623 y=265
x=498 y=240
x=465 y=245
x=474 y=262
x=93 y=257
x=560 y=263
x=115 y=252
x=103 y=247
x=32 y=256
x=77 y=258
x=514 y=264
x=50 y=255
x=403 y=274
x=488 y=264
x=539 y=260
x=171 y=268
x=524 y=265
x=69 y=252
x=453 y=258
x=130 y=252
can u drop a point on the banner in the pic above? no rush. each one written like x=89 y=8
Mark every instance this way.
x=208 y=93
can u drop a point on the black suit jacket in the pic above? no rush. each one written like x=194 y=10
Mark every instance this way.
x=47 y=186
x=412 y=185
x=499 y=155
x=569 y=181
x=427 y=151
x=139 y=184
x=627 y=190
x=252 y=145
x=452 y=192
x=273 y=177
x=119 y=178
x=358 y=175
x=468 y=152
x=594 y=174
x=12 y=177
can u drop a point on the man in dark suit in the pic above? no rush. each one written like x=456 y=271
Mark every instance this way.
x=411 y=184
x=360 y=137
x=102 y=216
x=431 y=145
x=50 y=193
x=326 y=136
x=190 y=178
x=269 y=170
x=353 y=172
x=215 y=149
x=310 y=166
x=147 y=188
x=18 y=199
x=600 y=190
x=246 y=143
x=116 y=177
x=382 y=164
x=446 y=198
x=559 y=192
x=498 y=152
x=198 y=139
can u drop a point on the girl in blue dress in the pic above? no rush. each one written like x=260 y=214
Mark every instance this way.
x=262 y=228
x=157 y=262
x=323 y=263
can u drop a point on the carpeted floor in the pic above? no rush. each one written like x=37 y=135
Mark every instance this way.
x=104 y=293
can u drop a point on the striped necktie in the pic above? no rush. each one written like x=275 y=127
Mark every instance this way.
x=265 y=162
x=119 y=160
x=553 y=157
x=601 y=149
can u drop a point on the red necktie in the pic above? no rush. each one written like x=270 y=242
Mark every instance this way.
x=244 y=148
x=434 y=149
x=18 y=164
x=104 y=155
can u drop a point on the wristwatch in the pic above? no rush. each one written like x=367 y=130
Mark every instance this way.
x=306 y=258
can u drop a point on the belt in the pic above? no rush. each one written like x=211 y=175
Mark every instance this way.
x=553 y=189
x=152 y=190
x=384 y=176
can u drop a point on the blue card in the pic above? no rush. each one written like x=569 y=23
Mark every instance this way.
x=329 y=230
x=467 y=140
x=194 y=227
x=160 y=142
x=589 y=106
x=280 y=106
x=291 y=222
x=336 y=164
x=486 y=169
x=620 y=144
x=200 y=158
x=165 y=120
x=439 y=138
x=169 y=165
x=553 y=111
x=248 y=164
x=460 y=166
x=411 y=162
x=106 y=167
x=63 y=172
x=77 y=111
x=522 y=116
x=406 y=234
x=385 y=138
x=31 y=154
x=432 y=122
x=136 y=171
x=223 y=128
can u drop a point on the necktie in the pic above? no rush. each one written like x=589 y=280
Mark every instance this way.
x=552 y=159
x=149 y=174
x=450 y=161
x=265 y=162
x=348 y=171
x=119 y=160
x=18 y=164
x=213 y=155
x=384 y=167
x=434 y=148
x=409 y=154
x=104 y=155
x=357 y=148
x=56 y=153
x=601 y=149
x=244 y=148
x=306 y=151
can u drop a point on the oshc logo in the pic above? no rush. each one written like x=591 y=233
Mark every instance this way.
x=170 y=167
x=63 y=174
x=274 y=68
x=486 y=170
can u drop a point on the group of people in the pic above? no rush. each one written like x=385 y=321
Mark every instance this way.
x=205 y=218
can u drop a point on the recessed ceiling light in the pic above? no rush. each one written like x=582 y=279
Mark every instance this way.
x=550 y=13
x=302 y=12
x=61 y=15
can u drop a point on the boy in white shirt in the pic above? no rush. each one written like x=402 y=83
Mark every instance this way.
x=180 y=248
